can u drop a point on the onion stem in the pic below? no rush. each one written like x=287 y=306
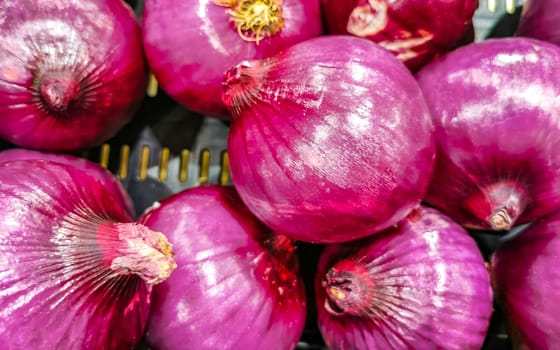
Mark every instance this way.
x=241 y=84
x=499 y=204
x=368 y=19
x=349 y=289
x=58 y=91
x=125 y=247
x=508 y=199
x=500 y=219
x=143 y=252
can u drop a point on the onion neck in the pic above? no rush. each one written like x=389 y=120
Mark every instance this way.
x=58 y=91
x=349 y=289
x=502 y=218
x=254 y=20
x=368 y=19
x=241 y=85
x=499 y=204
x=132 y=248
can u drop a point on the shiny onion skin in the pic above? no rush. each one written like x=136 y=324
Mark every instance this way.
x=331 y=139
x=415 y=31
x=420 y=285
x=527 y=283
x=496 y=110
x=540 y=20
x=107 y=178
x=191 y=43
x=236 y=285
x=76 y=272
x=72 y=72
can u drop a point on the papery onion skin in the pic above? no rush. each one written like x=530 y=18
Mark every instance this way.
x=73 y=72
x=234 y=287
x=539 y=20
x=527 y=282
x=107 y=178
x=496 y=111
x=190 y=53
x=76 y=271
x=331 y=139
x=428 y=288
x=415 y=31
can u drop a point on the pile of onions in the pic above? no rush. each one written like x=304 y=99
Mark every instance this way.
x=420 y=285
x=414 y=30
x=495 y=107
x=540 y=20
x=76 y=272
x=236 y=285
x=72 y=72
x=189 y=44
x=107 y=179
x=331 y=139
x=527 y=283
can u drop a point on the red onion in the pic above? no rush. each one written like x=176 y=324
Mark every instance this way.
x=190 y=43
x=540 y=20
x=76 y=272
x=420 y=285
x=414 y=30
x=103 y=175
x=496 y=110
x=72 y=72
x=236 y=285
x=331 y=139
x=527 y=283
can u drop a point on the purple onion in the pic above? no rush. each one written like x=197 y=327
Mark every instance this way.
x=107 y=179
x=191 y=43
x=527 y=284
x=414 y=30
x=236 y=285
x=331 y=139
x=540 y=19
x=76 y=272
x=72 y=72
x=422 y=284
x=496 y=110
